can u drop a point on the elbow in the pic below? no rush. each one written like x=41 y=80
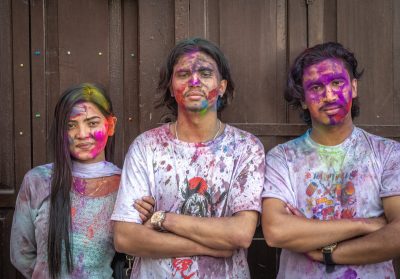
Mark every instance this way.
x=242 y=240
x=123 y=243
x=274 y=236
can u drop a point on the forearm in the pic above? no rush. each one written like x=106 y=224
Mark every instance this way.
x=226 y=233
x=300 y=234
x=378 y=246
x=139 y=240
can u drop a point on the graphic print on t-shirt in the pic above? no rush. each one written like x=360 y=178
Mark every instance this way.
x=330 y=195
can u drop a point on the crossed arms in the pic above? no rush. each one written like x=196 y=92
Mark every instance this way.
x=187 y=236
x=361 y=241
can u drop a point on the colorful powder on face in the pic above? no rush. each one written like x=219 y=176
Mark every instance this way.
x=327 y=86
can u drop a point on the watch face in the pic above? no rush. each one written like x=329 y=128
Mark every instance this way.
x=329 y=248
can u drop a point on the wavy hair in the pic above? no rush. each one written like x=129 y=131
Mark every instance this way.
x=188 y=46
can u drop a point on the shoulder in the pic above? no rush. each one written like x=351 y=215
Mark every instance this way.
x=42 y=172
x=153 y=136
x=378 y=143
x=36 y=183
x=291 y=147
x=242 y=137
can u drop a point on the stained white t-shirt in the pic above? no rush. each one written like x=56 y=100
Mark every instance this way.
x=333 y=182
x=212 y=179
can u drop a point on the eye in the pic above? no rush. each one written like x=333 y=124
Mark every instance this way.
x=316 y=88
x=206 y=73
x=337 y=83
x=93 y=124
x=71 y=125
x=182 y=74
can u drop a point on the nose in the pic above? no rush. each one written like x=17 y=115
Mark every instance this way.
x=330 y=95
x=83 y=132
x=194 y=80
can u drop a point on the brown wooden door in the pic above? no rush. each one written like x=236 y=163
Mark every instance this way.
x=45 y=46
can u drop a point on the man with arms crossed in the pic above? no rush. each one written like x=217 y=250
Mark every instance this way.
x=324 y=191
x=206 y=178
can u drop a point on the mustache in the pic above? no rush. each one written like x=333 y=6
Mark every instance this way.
x=331 y=106
x=195 y=91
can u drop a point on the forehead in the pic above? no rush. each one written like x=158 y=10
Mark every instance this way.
x=331 y=66
x=86 y=109
x=195 y=58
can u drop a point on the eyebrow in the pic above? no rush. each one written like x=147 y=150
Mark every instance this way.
x=87 y=119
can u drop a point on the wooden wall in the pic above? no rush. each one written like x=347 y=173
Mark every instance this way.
x=48 y=45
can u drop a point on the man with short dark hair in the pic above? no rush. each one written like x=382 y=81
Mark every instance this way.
x=326 y=191
x=206 y=178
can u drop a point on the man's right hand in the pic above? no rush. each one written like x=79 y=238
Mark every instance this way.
x=145 y=206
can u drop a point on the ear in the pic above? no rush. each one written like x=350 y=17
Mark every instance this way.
x=354 y=84
x=112 y=121
x=303 y=105
x=222 y=87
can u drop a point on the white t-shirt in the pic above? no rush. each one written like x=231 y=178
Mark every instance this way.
x=334 y=182
x=213 y=179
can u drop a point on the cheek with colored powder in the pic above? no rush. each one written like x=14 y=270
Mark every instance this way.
x=101 y=140
x=179 y=94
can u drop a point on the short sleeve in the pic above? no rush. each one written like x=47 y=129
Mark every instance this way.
x=249 y=179
x=277 y=177
x=134 y=184
x=391 y=172
x=23 y=243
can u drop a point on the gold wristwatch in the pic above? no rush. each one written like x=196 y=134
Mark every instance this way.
x=327 y=253
x=157 y=220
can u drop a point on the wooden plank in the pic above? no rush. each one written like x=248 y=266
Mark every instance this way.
x=373 y=46
x=297 y=41
x=156 y=33
x=181 y=19
x=293 y=130
x=52 y=62
x=22 y=93
x=130 y=119
x=253 y=59
x=6 y=89
x=116 y=75
x=396 y=61
x=198 y=19
x=315 y=19
x=84 y=42
x=6 y=268
x=39 y=93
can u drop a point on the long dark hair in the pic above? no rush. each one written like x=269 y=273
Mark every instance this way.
x=294 y=92
x=61 y=180
x=189 y=46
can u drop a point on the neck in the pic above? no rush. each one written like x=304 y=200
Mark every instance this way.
x=197 y=128
x=331 y=135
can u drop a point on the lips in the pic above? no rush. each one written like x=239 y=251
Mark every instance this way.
x=84 y=146
x=331 y=108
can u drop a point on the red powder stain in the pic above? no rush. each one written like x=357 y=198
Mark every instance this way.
x=165 y=144
x=311 y=189
x=348 y=213
x=90 y=232
x=349 y=188
x=182 y=265
x=198 y=183
x=169 y=167
x=212 y=94
x=73 y=212
x=308 y=175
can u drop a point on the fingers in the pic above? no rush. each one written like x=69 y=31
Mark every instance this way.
x=149 y=200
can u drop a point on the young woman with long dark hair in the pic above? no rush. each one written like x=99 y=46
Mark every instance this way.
x=61 y=226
